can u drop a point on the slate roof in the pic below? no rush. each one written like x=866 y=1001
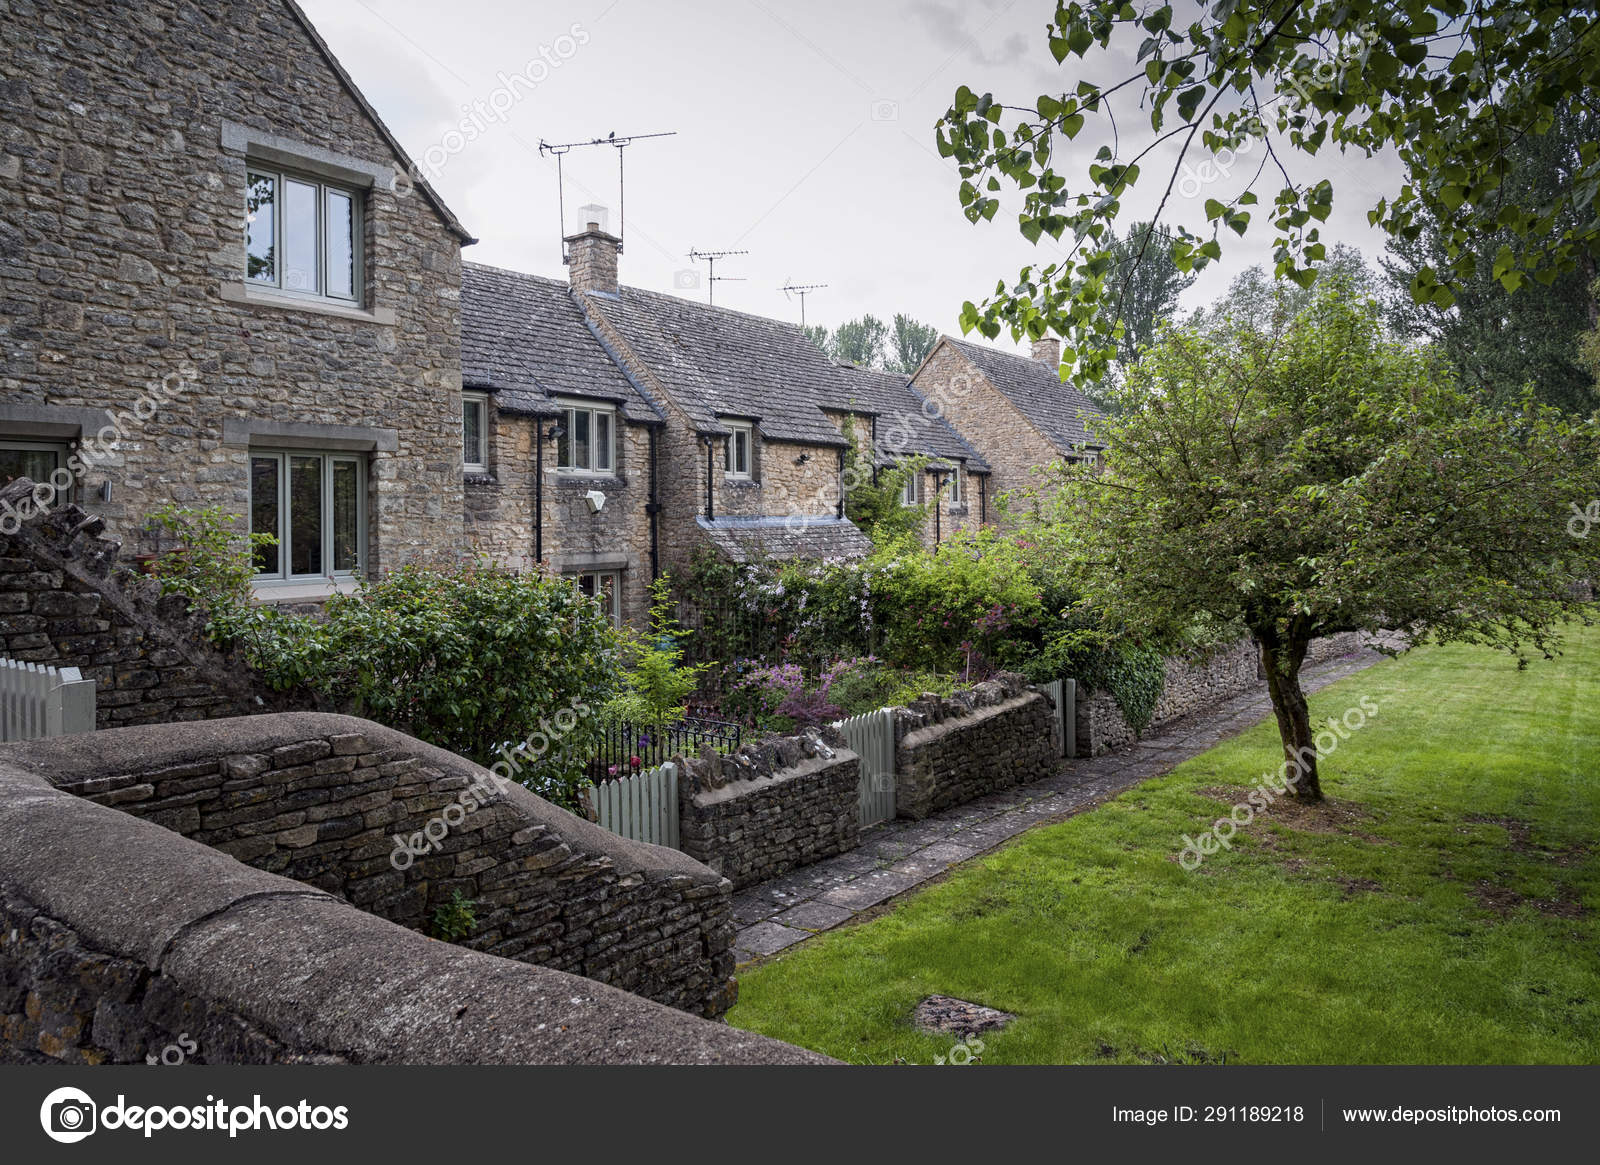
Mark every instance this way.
x=1060 y=411
x=524 y=338
x=719 y=363
x=904 y=428
x=753 y=539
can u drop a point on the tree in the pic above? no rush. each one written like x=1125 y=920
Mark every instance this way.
x=910 y=341
x=1589 y=342
x=860 y=342
x=1143 y=292
x=1261 y=303
x=1447 y=85
x=1322 y=478
x=871 y=343
x=1498 y=342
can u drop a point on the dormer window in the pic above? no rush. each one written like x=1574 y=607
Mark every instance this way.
x=302 y=235
x=955 y=487
x=586 y=441
x=737 y=455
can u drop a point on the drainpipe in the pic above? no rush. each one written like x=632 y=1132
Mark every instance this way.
x=710 y=444
x=538 y=491
x=872 y=446
x=840 y=512
x=983 y=500
x=938 y=484
x=653 y=508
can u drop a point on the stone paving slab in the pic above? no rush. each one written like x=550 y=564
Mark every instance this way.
x=901 y=855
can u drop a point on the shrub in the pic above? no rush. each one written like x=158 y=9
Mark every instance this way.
x=456 y=919
x=658 y=683
x=208 y=566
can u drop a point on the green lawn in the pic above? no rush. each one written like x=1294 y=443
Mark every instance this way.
x=1446 y=909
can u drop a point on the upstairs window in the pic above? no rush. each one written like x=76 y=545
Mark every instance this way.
x=586 y=442
x=474 y=433
x=736 y=458
x=911 y=494
x=302 y=235
x=955 y=487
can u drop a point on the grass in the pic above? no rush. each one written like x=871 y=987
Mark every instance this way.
x=1444 y=909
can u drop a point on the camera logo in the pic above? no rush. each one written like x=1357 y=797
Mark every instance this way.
x=68 y=1115
x=885 y=110
x=686 y=280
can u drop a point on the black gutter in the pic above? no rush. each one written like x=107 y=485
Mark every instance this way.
x=653 y=508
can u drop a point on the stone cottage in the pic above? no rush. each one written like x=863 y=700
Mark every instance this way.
x=621 y=429
x=217 y=287
x=903 y=425
x=1015 y=411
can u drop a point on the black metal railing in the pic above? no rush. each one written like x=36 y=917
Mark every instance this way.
x=621 y=744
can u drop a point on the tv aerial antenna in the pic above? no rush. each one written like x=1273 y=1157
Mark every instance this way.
x=712 y=278
x=802 y=290
x=561 y=149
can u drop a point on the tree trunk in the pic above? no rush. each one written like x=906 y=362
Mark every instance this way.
x=1282 y=660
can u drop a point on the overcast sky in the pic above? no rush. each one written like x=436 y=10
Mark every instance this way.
x=805 y=136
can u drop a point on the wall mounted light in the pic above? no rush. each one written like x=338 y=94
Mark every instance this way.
x=595 y=500
x=802 y=459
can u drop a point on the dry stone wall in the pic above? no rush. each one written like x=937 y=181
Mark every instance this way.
x=66 y=601
x=398 y=828
x=119 y=938
x=949 y=750
x=1190 y=687
x=771 y=806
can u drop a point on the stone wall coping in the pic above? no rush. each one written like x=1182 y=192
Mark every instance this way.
x=923 y=733
x=309 y=435
x=311 y=970
x=806 y=768
x=265 y=146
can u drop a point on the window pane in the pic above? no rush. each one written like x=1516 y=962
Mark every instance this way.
x=261 y=214
x=580 y=439
x=299 y=236
x=742 y=447
x=608 y=594
x=264 y=511
x=564 y=441
x=35 y=464
x=727 y=453
x=341 y=226
x=586 y=585
x=346 y=515
x=472 y=432
x=305 y=515
x=602 y=441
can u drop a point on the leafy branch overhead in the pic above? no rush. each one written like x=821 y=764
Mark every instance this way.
x=1446 y=86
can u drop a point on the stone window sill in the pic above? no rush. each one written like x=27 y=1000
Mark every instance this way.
x=741 y=483
x=241 y=292
x=479 y=477
x=583 y=481
x=310 y=590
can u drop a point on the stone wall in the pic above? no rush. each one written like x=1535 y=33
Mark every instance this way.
x=124 y=132
x=1191 y=686
x=949 y=750
x=66 y=601
x=322 y=799
x=119 y=937
x=771 y=806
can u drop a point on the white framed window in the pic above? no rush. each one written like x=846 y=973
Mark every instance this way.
x=587 y=440
x=35 y=460
x=315 y=505
x=956 y=486
x=605 y=586
x=474 y=432
x=738 y=451
x=911 y=492
x=302 y=235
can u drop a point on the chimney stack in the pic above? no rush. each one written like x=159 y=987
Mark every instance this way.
x=592 y=253
x=1048 y=351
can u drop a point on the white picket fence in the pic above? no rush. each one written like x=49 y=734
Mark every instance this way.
x=871 y=737
x=38 y=701
x=1065 y=695
x=643 y=807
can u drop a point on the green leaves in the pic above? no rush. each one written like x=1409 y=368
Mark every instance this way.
x=1358 y=76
